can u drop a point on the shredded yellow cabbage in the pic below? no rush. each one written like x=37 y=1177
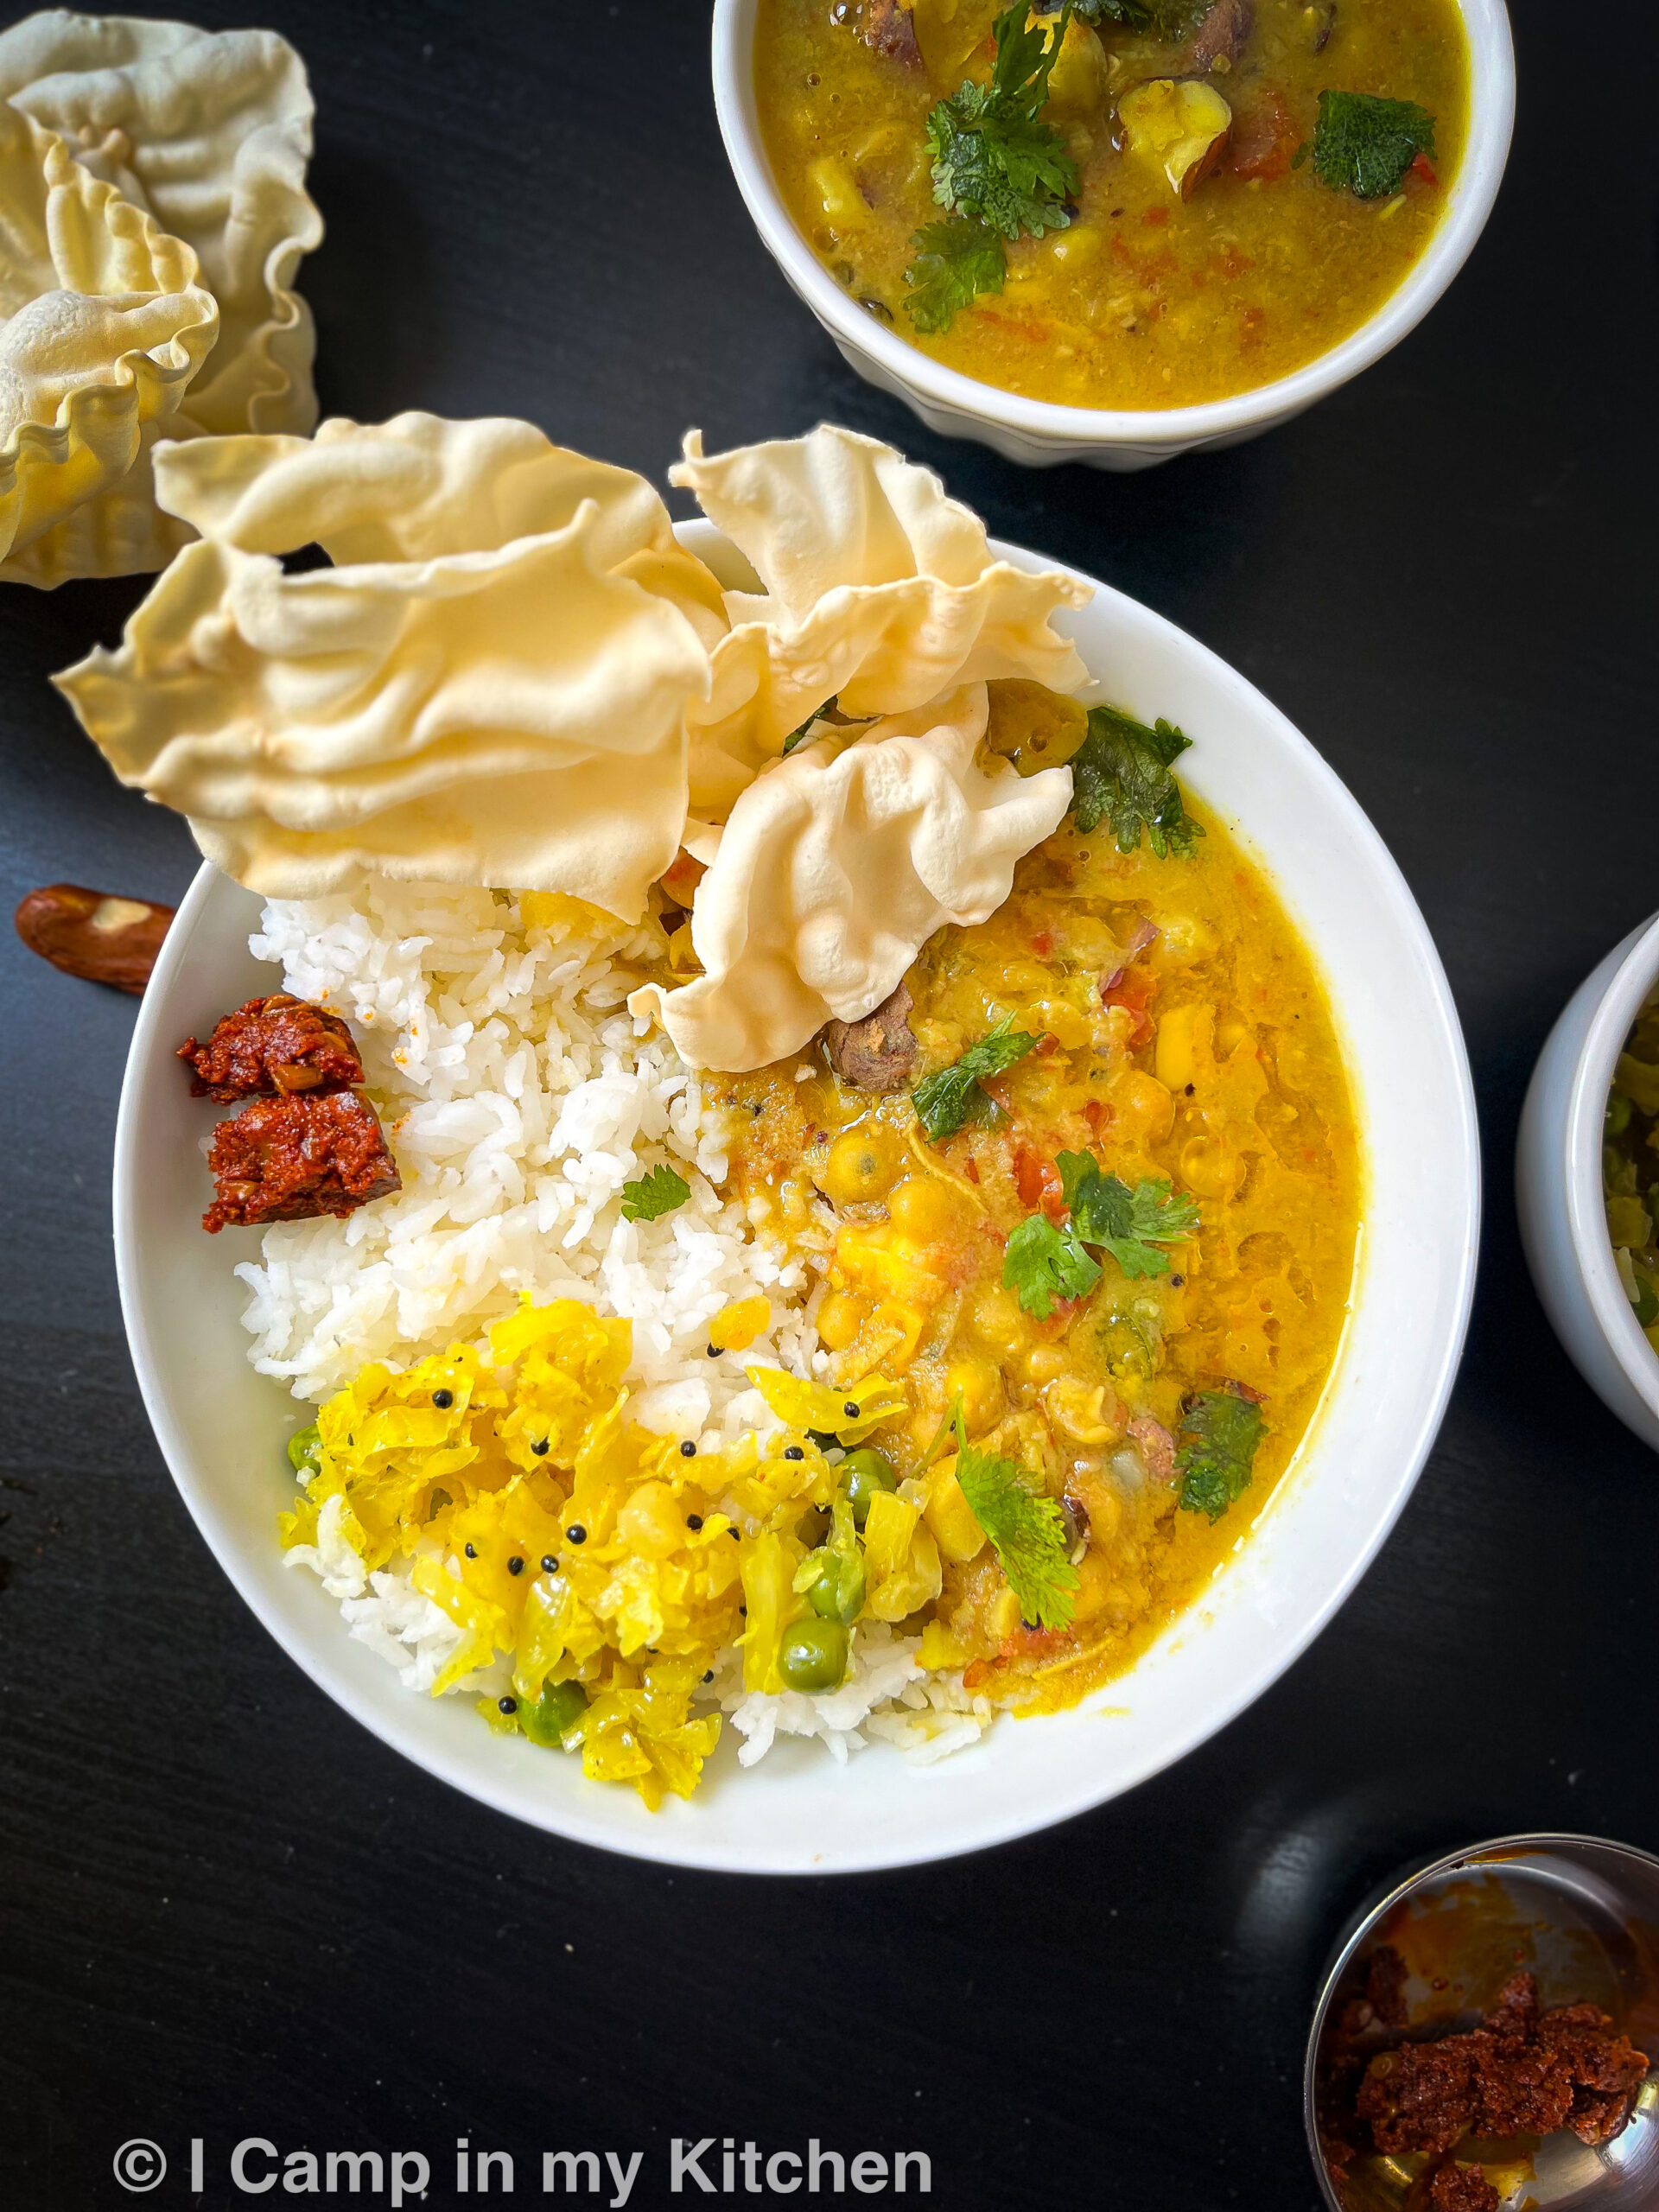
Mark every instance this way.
x=483 y=1471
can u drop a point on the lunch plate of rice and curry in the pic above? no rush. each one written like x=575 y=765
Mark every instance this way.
x=797 y=1191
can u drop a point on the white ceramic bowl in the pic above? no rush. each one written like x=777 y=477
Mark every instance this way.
x=1039 y=433
x=1558 y=1184
x=222 y=1428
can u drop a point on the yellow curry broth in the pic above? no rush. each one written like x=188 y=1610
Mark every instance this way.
x=1216 y=1065
x=1147 y=300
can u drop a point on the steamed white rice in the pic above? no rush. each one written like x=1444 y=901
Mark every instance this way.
x=518 y=1097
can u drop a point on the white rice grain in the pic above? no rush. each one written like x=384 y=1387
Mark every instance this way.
x=517 y=1099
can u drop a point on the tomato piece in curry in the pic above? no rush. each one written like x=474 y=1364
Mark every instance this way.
x=1183 y=1037
x=1188 y=261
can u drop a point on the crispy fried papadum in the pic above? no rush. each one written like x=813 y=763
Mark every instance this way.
x=838 y=864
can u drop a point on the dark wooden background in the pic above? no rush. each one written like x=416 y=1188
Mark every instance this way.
x=225 y=1910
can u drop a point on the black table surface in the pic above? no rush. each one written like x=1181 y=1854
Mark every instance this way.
x=227 y=1910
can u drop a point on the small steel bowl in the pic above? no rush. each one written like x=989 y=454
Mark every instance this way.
x=1581 y=1914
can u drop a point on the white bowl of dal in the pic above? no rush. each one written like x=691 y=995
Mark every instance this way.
x=1040 y=433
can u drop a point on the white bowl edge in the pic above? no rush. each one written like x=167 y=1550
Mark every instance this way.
x=1558 y=1184
x=797 y=1812
x=1042 y=433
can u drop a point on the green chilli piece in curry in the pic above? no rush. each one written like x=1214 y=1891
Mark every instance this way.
x=1116 y=203
x=1629 y=1168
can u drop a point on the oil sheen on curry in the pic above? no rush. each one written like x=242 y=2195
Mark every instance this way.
x=1121 y=203
x=1088 y=1189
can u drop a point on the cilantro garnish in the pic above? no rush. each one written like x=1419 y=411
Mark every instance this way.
x=991 y=156
x=1027 y=1533
x=1128 y=1223
x=951 y=1097
x=1041 y=1263
x=1219 y=1436
x=1364 y=145
x=796 y=736
x=1168 y=18
x=957 y=261
x=649 y=1196
x=1121 y=773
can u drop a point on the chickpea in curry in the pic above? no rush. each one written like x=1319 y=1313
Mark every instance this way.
x=1119 y=203
x=1174 y=1039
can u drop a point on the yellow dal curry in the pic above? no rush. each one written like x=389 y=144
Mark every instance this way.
x=1184 y=1038
x=1196 y=256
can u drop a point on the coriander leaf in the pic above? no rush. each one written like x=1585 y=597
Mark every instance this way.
x=951 y=1097
x=1128 y=1223
x=1026 y=55
x=992 y=157
x=649 y=1196
x=796 y=736
x=1221 y=1431
x=1027 y=1533
x=956 y=261
x=1078 y=1171
x=1012 y=172
x=1365 y=144
x=1041 y=1263
x=1170 y=19
x=1120 y=773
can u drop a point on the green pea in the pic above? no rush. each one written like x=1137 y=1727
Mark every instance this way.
x=838 y=1593
x=305 y=1451
x=814 y=1656
x=560 y=1706
x=1618 y=1113
x=863 y=1473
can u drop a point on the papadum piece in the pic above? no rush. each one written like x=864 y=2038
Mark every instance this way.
x=836 y=865
x=104 y=327
x=878 y=590
x=491 y=686
x=211 y=133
